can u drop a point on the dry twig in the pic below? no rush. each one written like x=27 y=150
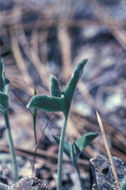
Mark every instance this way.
x=108 y=149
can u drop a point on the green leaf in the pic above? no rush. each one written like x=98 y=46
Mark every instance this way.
x=2 y=109
x=76 y=149
x=6 y=86
x=54 y=87
x=66 y=146
x=47 y=103
x=3 y=102
x=123 y=186
x=4 y=82
x=69 y=89
x=74 y=153
x=85 y=140
x=2 y=75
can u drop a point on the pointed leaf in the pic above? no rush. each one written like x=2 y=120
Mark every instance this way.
x=66 y=145
x=3 y=102
x=54 y=87
x=69 y=89
x=74 y=153
x=47 y=103
x=2 y=109
x=76 y=149
x=4 y=82
x=2 y=76
x=123 y=186
x=85 y=140
x=7 y=82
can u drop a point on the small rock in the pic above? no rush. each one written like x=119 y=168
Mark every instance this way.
x=29 y=183
x=101 y=172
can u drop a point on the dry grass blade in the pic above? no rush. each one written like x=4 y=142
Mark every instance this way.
x=65 y=44
x=42 y=155
x=43 y=46
x=40 y=67
x=21 y=64
x=107 y=148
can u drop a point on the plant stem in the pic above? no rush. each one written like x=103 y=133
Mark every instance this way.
x=34 y=119
x=11 y=146
x=34 y=125
x=60 y=155
x=78 y=173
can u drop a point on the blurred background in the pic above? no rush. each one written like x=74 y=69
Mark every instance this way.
x=43 y=37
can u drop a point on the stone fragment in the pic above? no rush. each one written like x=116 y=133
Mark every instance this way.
x=29 y=183
x=101 y=172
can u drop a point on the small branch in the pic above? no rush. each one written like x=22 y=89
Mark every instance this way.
x=38 y=143
x=107 y=149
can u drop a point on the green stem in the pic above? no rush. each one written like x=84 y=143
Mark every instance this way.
x=34 y=119
x=11 y=146
x=78 y=173
x=60 y=155
x=34 y=125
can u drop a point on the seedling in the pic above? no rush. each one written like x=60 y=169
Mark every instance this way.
x=59 y=101
x=74 y=150
x=4 y=84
